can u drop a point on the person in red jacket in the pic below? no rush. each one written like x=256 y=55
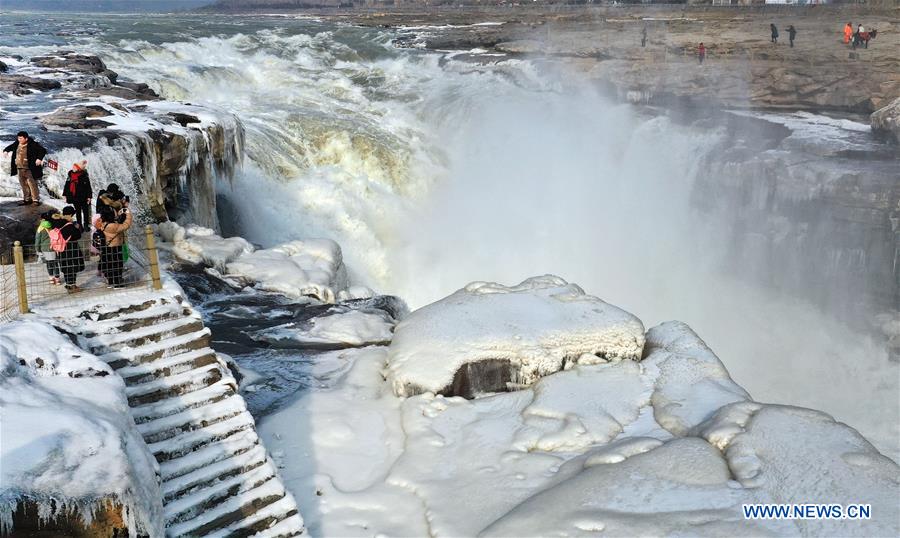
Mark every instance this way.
x=701 y=52
x=77 y=192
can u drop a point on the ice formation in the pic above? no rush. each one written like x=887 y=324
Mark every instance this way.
x=308 y=268
x=67 y=433
x=540 y=326
x=669 y=445
x=352 y=328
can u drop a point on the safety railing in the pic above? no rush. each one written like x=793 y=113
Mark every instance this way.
x=29 y=278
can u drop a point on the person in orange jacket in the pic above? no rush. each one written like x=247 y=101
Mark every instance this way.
x=848 y=33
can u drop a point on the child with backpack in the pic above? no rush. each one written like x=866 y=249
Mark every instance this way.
x=65 y=243
x=43 y=249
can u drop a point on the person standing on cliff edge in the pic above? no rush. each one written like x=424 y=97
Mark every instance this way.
x=774 y=33
x=792 y=33
x=27 y=162
x=848 y=33
x=701 y=53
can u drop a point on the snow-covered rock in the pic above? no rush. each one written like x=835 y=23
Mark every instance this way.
x=487 y=335
x=344 y=329
x=799 y=455
x=67 y=435
x=627 y=448
x=308 y=268
x=691 y=382
x=196 y=244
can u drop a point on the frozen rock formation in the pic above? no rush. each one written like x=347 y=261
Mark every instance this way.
x=69 y=443
x=309 y=268
x=486 y=336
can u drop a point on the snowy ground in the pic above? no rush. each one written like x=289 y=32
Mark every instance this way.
x=66 y=432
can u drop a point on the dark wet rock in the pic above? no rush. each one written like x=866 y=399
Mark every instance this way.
x=120 y=92
x=482 y=377
x=17 y=223
x=139 y=88
x=184 y=119
x=3 y=67
x=23 y=85
x=77 y=117
x=71 y=62
x=78 y=63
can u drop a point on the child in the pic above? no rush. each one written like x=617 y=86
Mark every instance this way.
x=42 y=247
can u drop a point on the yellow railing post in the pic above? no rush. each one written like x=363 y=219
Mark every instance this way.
x=20 y=277
x=154 y=259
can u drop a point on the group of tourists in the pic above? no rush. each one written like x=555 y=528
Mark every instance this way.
x=860 y=36
x=58 y=240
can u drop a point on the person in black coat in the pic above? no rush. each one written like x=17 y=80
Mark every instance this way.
x=71 y=260
x=27 y=162
x=77 y=192
x=774 y=31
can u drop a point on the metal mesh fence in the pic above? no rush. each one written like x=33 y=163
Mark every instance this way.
x=66 y=278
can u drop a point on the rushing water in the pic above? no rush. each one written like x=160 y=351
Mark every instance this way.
x=432 y=171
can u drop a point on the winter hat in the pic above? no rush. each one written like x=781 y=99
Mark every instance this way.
x=112 y=187
x=68 y=210
x=79 y=166
x=47 y=215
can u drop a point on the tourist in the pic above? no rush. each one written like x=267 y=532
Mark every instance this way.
x=112 y=255
x=774 y=33
x=111 y=197
x=77 y=191
x=701 y=53
x=792 y=33
x=848 y=33
x=42 y=247
x=71 y=261
x=27 y=162
x=644 y=37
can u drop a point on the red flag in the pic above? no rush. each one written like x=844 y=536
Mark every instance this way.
x=52 y=165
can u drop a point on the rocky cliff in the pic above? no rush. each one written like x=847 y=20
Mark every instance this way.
x=168 y=156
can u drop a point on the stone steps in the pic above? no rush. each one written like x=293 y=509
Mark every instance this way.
x=109 y=343
x=217 y=479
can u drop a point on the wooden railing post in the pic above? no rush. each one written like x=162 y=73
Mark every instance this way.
x=154 y=259
x=21 y=286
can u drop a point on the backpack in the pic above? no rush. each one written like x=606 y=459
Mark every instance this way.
x=98 y=239
x=57 y=241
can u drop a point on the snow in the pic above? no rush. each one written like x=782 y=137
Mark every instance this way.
x=623 y=447
x=298 y=269
x=352 y=328
x=199 y=245
x=541 y=326
x=67 y=434
x=312 y=267
x=800 y=455
x=691 y=380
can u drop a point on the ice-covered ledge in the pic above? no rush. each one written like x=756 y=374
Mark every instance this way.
x=486 y=336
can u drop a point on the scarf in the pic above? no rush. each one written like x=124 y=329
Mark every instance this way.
x=73 y=184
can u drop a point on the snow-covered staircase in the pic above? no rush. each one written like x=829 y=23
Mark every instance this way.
x=217 y=479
